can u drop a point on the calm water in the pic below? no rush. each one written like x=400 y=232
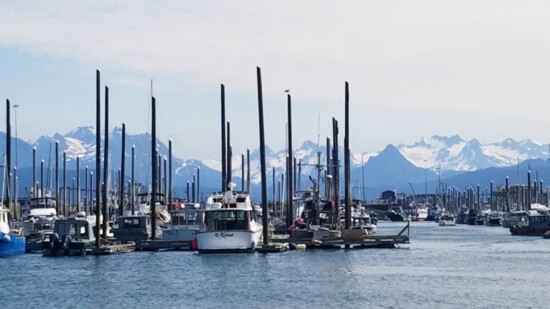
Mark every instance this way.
x=444 y=267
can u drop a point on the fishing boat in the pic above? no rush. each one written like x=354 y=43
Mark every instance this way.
x=362 y=220
x=513 y=218
x=71 y=237
x=494 y=218
x=446 y=220
x=11 y=242
x=184 y=224
x=535 y=223
x=230 y=224
x=396 y=214
x=38 y=219
x=137 y=227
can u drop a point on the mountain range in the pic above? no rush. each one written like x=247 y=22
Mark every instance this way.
x=421 y=166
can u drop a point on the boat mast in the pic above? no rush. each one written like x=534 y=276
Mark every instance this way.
x=106 y=166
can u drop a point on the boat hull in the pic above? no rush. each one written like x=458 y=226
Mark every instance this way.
x=228 y=241
x=11 y=245
x=528 y=231
x=446 y=223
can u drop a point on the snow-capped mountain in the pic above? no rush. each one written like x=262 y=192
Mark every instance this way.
x=455 y=154
x=395 y=166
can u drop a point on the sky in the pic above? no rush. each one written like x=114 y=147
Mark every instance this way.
x=480 y=69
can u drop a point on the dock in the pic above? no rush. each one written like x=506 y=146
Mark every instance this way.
x=113 y=249
x=352 y=239
x=164 y=245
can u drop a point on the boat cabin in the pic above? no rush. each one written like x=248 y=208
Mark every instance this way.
x=77 y=229
x=133 y=228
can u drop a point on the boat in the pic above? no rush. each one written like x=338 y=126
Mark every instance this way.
x=184 y=224
x=493 y=218
x=463 y=215
x=534 y=223
x=513 y=218
x=11 y=241
x=417 y=211
x=230 y=224
x=37 y=220
x=396 y=214
x=72 y=236
x=362 y=220
x=137 y=227
x=446 y=220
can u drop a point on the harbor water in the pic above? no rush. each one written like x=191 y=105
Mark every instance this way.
x=443 y=267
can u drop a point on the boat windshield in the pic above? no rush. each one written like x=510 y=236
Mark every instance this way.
x=227 y=220
x=41 y=203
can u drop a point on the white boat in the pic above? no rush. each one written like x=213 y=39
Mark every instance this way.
x=361 y=219
x=185 y=223
x=230 y=224
x=447 y=220
x=38 y=220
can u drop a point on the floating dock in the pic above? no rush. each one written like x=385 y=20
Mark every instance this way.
x=113 y=249
x=353 y=239
x=164 y=245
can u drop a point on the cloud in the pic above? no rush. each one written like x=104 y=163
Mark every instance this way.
x=414 y=55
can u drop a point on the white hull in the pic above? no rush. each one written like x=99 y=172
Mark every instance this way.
x=447 y=223
x=228 y=241
x=180 y=234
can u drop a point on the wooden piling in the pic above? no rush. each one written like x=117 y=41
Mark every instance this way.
x=248 y=186
x=34 y=188
x=7 y=168
x=64 y=183
x=97 y=157
x=57 y=200
x=77 y=184
x=106 y=166
x=229 y=157
x=335 y=173
x=170 y=188
x=242 y=172
x=153 y=168
x=132 y=193
x=122 y=171
x=262 y=156
x=347 y=162
x=224 y=159
x=289 y=187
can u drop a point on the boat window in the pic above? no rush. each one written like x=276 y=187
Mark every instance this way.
x=72 y=230
x=226 y=220
x=131 y=222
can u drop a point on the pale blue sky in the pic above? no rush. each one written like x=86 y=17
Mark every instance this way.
x=480 y=69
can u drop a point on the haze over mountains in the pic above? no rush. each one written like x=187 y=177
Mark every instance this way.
x=455 y=161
